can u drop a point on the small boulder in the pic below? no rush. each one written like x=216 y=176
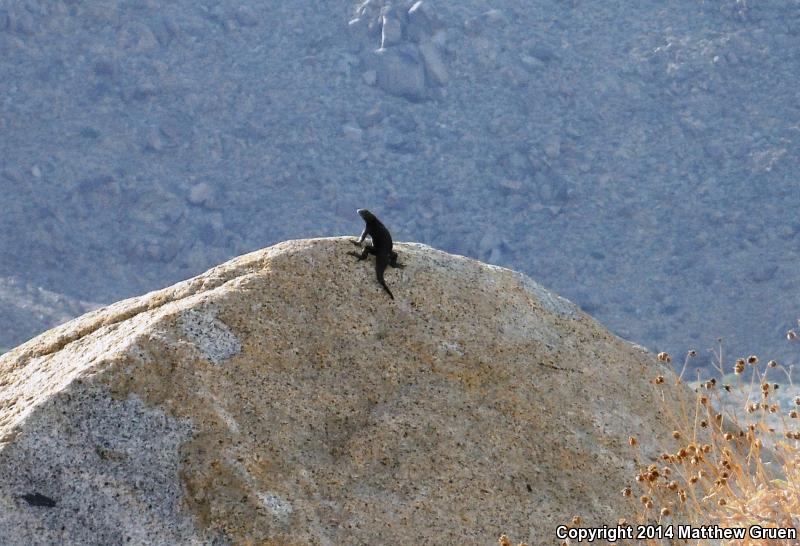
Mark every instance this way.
x=401 y=72
x=201 y=194
x=434 y=64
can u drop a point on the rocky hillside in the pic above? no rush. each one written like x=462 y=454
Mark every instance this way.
x=639 y=159
x=27 y=308
x=282 y=398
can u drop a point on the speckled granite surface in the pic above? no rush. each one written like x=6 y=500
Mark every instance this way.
x=282 y=398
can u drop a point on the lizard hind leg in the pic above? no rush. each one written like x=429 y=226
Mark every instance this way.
x=393 y=261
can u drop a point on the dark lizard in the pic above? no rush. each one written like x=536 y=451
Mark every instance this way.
x=381 y=246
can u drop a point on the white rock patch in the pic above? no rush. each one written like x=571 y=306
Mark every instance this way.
x=212 y=337
x=276 y=505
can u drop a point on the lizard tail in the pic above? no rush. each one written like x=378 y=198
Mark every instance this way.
x=380 y=266
x=383 y=284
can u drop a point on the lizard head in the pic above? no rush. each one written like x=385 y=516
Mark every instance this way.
x=366 y=215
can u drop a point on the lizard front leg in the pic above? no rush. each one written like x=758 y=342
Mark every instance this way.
x=360 y=239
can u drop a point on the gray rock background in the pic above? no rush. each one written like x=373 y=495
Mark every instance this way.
x=640 y=159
